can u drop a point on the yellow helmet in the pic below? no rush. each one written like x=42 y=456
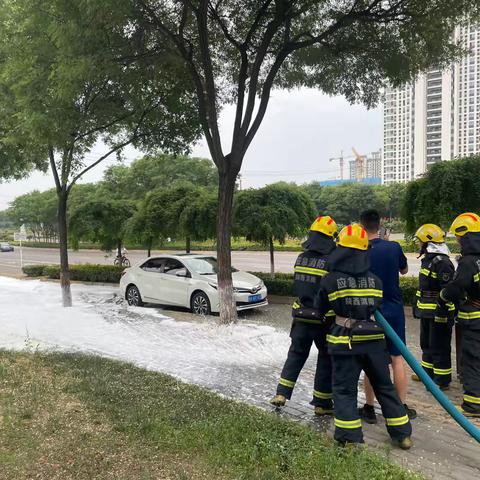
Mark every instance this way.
x=325 y=225
x=465 y=223
x=353 y=236
x=430 y=233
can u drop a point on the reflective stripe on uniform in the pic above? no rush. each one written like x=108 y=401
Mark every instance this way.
x=330 y=313
x=348 y=423
x=476 y=277
x=295 y=305
x=469 y=398
x=468 y=315
x=428 y=273
x=355 y=338
x=397 y=422
x=322 y=395
x=286 y=383
x=310 y=271
x=426 y=365
x=355 y=292
x=442 y=371
x=441 y=320
x=433 y=306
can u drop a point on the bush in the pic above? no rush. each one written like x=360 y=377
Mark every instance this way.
x=33 y=270
x=409 y=286
x=282 y=284
x=82 y=273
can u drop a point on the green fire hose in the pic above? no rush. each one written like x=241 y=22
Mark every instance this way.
x=427 y=381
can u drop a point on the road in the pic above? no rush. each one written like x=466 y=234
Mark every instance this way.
x=249 y=261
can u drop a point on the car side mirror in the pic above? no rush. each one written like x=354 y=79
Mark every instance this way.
x=183 y=272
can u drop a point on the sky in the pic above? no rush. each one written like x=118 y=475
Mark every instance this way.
x=301 y=131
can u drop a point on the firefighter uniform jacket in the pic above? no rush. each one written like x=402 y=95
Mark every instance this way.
x=310 y=267
x=464 y=290
x=436 y=272
x=354 y=294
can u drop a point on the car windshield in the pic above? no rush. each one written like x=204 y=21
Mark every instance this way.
x=204 y=265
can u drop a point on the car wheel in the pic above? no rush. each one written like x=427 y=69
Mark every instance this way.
x=200 y=304
x=134 y=298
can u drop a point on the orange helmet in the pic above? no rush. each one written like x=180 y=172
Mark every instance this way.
x=325 y=225
x=465 y=223
x=353 y=236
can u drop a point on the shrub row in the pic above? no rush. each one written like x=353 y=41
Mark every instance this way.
x=282 y=284
x=82 y=273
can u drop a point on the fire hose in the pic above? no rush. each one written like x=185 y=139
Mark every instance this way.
x=431 y=386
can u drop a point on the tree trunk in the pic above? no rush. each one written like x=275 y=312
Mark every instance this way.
x=187 y=245
x=272 y=259
x=63 y=239
x=228 y=310
x=119 y=248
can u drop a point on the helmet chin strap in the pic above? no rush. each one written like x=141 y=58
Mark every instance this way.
x=423 y=250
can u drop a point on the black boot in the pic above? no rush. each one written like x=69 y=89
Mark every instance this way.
x=367 y=413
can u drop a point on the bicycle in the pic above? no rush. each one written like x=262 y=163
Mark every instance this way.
x=121 y=261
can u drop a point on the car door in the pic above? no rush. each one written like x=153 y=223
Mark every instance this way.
x=151 y=280
x=176 y=282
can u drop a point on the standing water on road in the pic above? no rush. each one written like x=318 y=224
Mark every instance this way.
x=241 y=361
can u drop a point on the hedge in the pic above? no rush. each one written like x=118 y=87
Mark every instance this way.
x=282 y=284
x=82 y=273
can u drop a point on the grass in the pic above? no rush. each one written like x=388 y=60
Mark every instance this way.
x=68 y=416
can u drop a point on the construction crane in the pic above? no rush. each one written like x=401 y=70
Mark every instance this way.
x=360 y=164
x=341 y=159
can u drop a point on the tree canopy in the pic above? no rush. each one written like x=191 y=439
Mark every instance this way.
x=445 y=191
x=274 y=212
x=159 y=171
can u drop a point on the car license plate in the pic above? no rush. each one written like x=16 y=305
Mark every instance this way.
x=254 y=298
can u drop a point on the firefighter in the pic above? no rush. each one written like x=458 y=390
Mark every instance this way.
x=308 y=327
x=436 y=324
x=464 y=292
x=357 y=342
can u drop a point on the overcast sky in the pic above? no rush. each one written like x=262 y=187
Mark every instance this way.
x=301 y=131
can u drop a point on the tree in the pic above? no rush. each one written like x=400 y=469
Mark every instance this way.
x=273 y=213
x=37 y=211
x=101 y=220
x=445 y=191
x=237 y=52
x=346 y=202
x=151 y=172
x=67 y=82
x=183 y=210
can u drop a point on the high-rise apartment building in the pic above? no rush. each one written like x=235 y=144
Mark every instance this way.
x=435 y=118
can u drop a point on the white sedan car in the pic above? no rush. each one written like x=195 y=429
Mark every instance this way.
x=188 y=281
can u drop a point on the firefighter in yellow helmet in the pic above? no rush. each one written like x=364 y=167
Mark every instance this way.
x=308 y=326
x=356 y=341
x=436 y=323
x=464 y=292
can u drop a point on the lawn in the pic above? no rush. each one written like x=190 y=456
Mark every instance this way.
x=68 y=416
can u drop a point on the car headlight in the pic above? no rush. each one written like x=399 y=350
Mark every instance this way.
x=213 y=285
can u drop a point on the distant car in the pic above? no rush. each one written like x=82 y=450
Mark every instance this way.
x=188 y=281
x=6 y=247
